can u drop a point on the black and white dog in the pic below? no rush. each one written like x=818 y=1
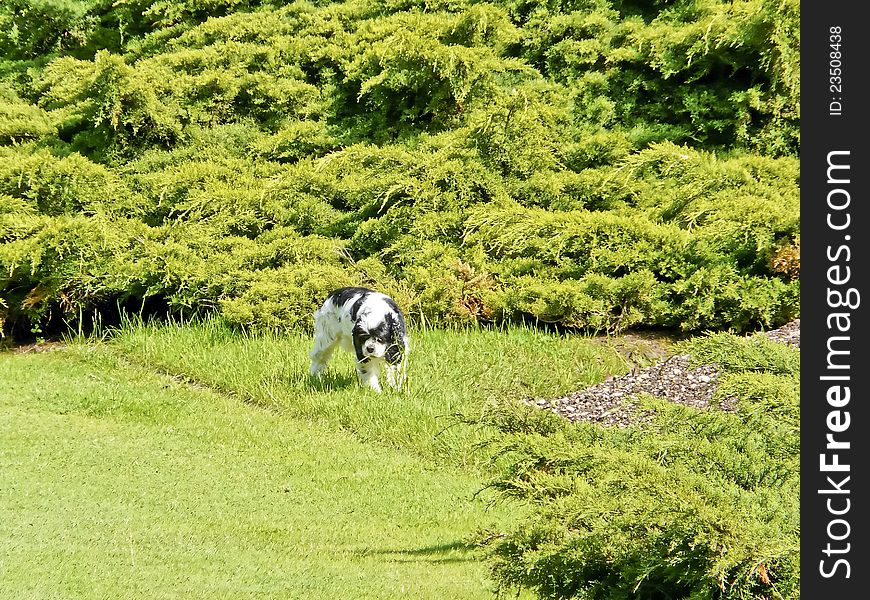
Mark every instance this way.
x=368 y=324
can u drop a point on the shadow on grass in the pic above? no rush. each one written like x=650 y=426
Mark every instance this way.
x=328 y=382
x=451 y=552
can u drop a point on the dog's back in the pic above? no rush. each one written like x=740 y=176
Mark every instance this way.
x=342 y=296
x=368 y=323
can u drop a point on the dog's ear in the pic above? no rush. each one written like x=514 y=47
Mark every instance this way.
x=397 y=345
x=398 y=332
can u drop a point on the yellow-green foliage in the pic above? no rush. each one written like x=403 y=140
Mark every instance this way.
x=66 y=185
x=21 y=121
x=693 y=504
x=595 y=164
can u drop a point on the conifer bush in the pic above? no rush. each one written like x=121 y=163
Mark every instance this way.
x=563 y=151
x=686 y=504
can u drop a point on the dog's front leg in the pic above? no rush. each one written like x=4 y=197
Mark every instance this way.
x=368 y=375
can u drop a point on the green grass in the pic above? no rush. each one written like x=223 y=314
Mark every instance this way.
x=192 y=462
x=451 y=372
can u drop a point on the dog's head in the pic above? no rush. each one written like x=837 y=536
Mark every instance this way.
x=379 y=328
x=385 y=338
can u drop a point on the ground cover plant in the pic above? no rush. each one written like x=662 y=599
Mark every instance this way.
x=689 y=504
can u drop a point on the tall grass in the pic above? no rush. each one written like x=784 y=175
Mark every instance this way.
x=451 y=373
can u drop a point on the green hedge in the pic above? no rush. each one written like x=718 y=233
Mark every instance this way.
x=598 y=165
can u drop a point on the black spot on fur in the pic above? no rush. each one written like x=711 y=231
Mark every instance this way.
x=355 y=308
x=360 y=357
x=340 y=296
x=395 y=339
x=394 y=352
x=382 y=331
x=398 y=325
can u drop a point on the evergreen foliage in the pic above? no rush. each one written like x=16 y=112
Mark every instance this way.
x=690 y=504
x=596 y=164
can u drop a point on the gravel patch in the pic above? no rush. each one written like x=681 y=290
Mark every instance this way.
x=790 y=334
x=614 y=401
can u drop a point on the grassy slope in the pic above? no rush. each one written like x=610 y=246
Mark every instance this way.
x=116 y=480
x=450 y=372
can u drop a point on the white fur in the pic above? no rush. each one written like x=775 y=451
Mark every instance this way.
x=334 y=326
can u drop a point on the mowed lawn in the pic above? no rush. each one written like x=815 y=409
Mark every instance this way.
x=194 y=462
